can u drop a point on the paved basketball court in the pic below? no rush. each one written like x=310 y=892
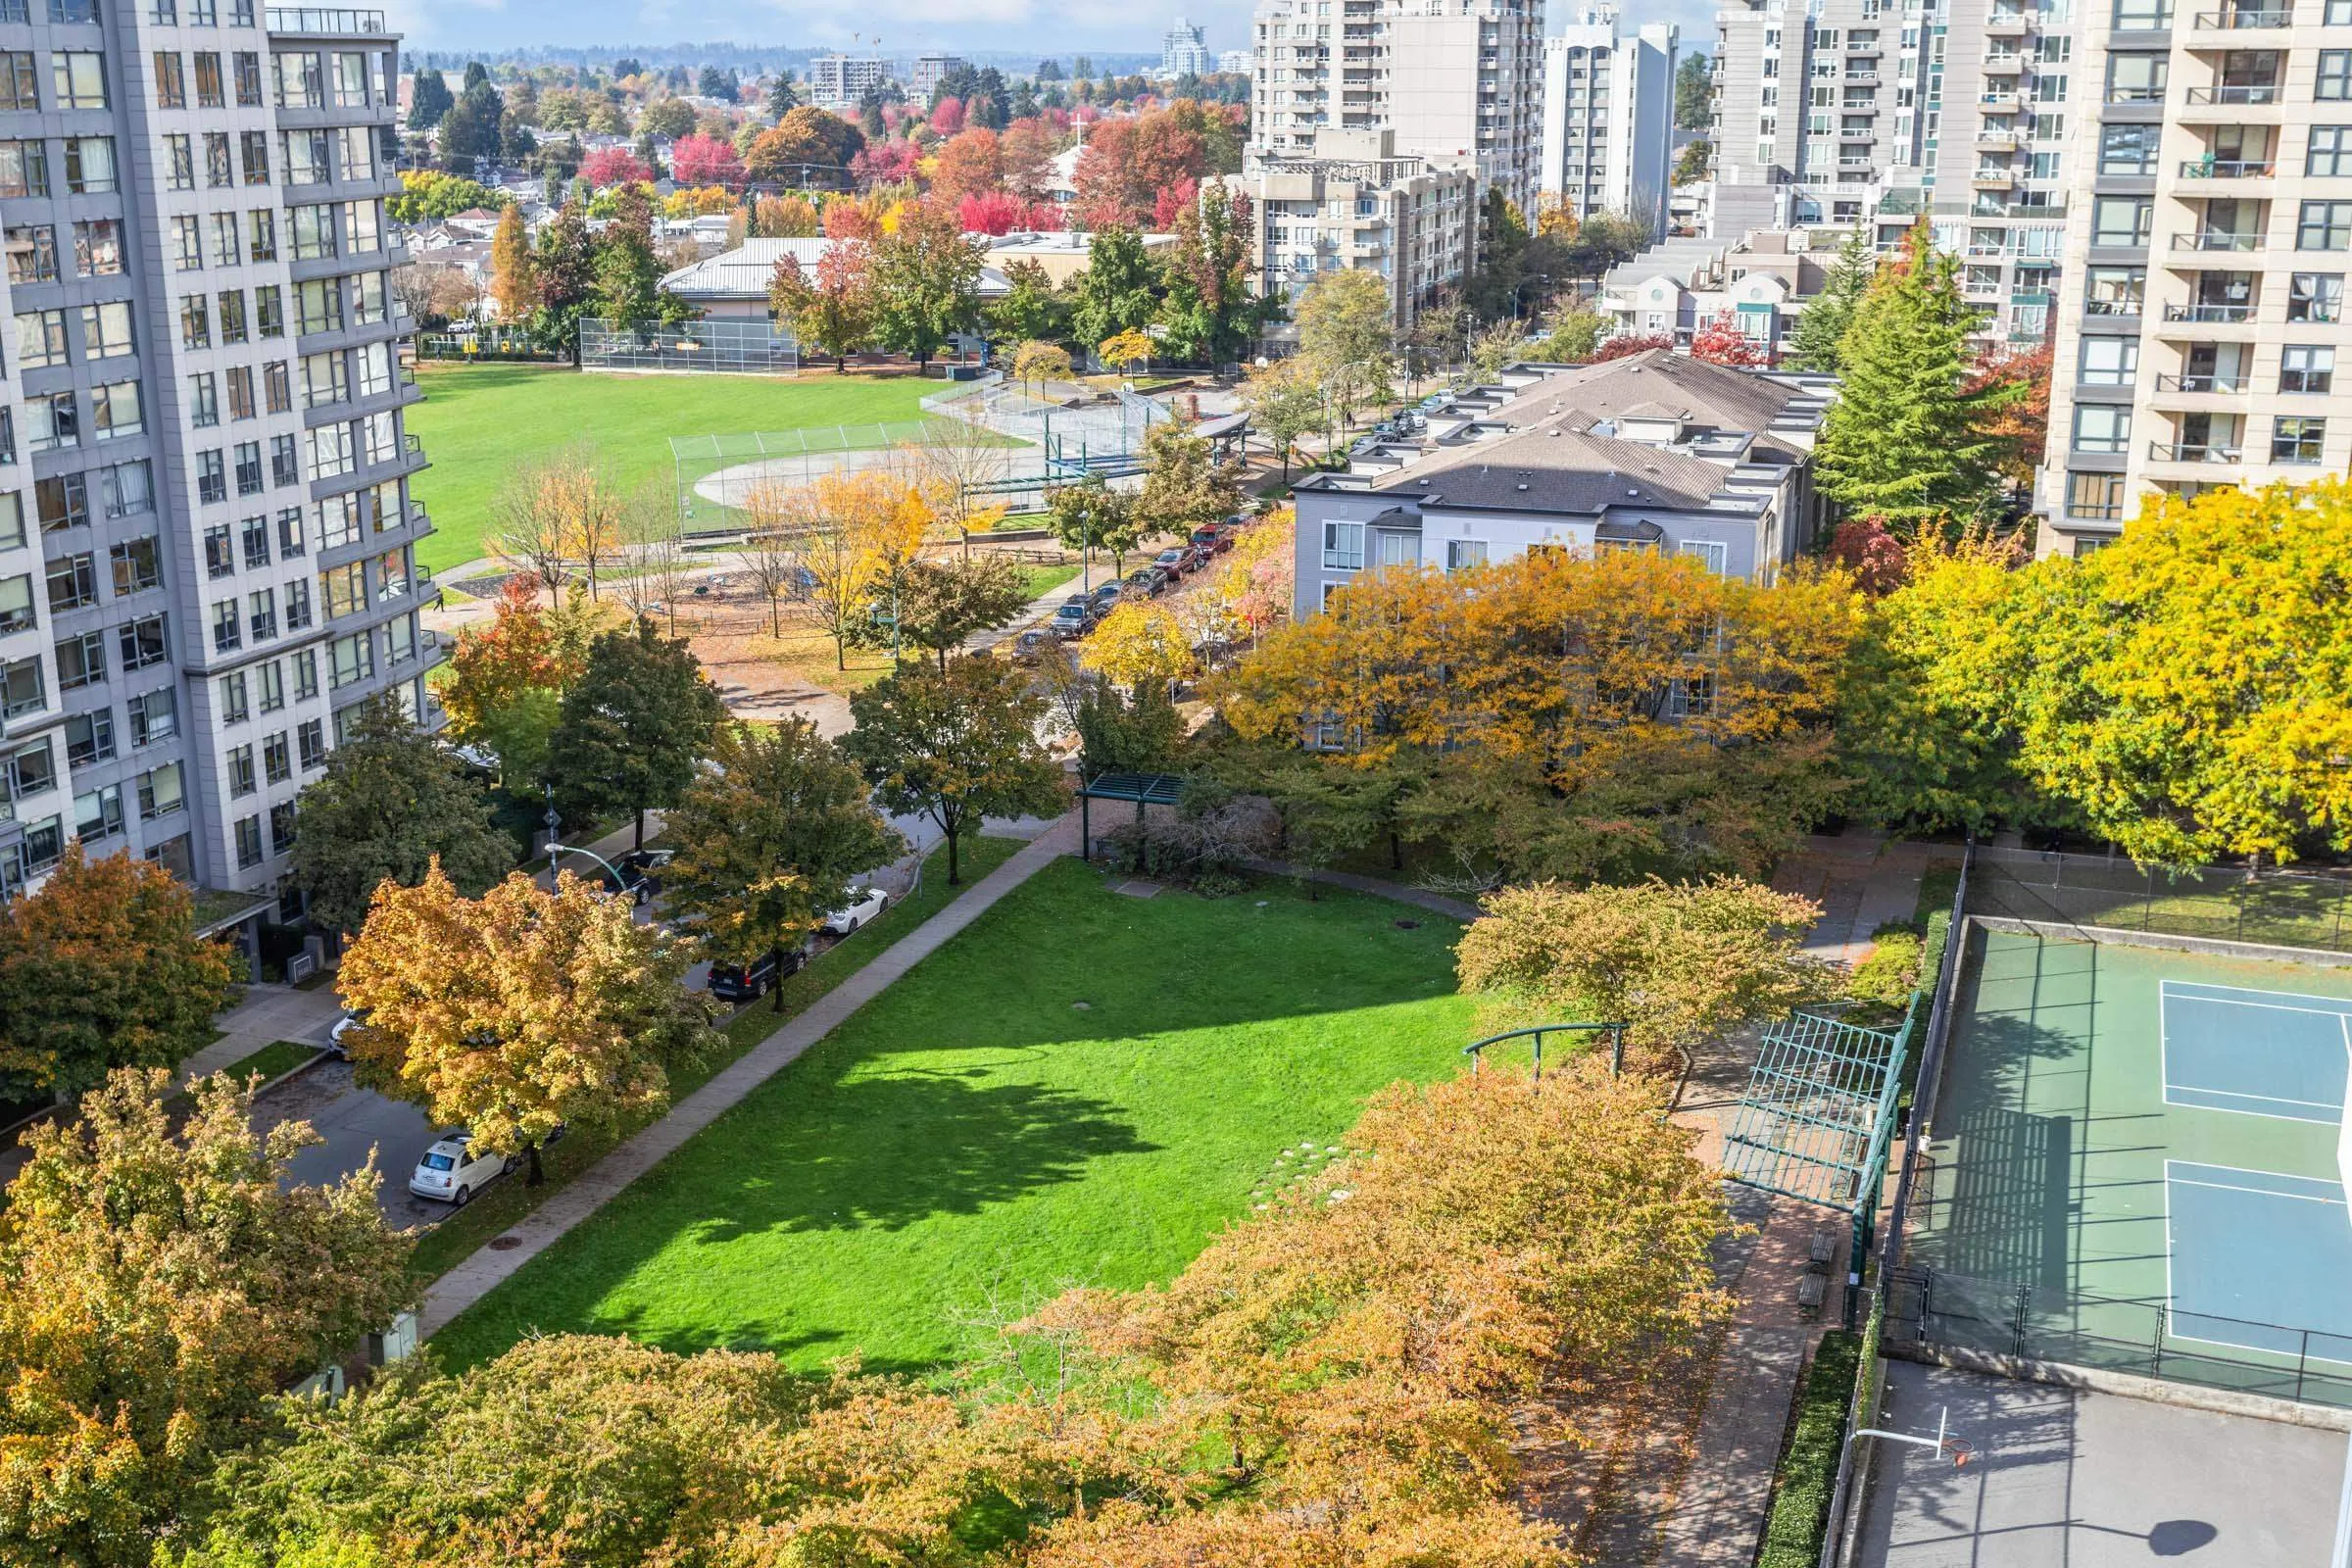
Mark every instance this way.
x=2065 y=1479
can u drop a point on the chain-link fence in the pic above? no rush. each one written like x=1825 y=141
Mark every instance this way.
x=720 y=346
x=2280 y=908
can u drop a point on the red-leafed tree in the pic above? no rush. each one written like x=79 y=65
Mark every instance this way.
x=1625 y=344
x=994 y=212
x=1025 y=151
x=947 y=116
x=705 y=160
x=613 y=166
x=833 y=312
x=1867 y=547
x=1128 y=163
x=1173 y=203
x=852 y=220
x=2022 y=421
x=1719 y=340
x=886 y=162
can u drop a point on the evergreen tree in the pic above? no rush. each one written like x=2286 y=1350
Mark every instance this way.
x=562 y=272
x=634 y=725
x=1822 y=327
x=1903 y=439
x=782 y=99
x=430 y=100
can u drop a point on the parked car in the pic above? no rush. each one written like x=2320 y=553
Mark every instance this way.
x=1074 y=619
x=343 y=1026
x=1197 y=556
x=1105 y=597
x=1170 y=561
x=1214 y=538
x=1030 y=646
x=748 y=982
x=1147 y=582
x=641 y=872
x=452 y=1171
x=864 y=904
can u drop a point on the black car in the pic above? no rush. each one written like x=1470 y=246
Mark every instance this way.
x=748 y=982
x=1147 y=582
x=1074 y=619
x=644 y=870
x=1105 y=597
x=1030 y=646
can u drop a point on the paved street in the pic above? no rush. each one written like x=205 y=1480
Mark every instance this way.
x=355 y=1123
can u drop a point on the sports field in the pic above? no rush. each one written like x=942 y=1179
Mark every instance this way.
x=2135 y=1163
x=1079 y=1089
x=479 y=421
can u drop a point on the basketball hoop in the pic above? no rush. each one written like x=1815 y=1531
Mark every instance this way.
x=1961 y=1451
x=1958 y=1449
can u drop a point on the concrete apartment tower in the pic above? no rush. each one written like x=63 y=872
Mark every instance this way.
x=2206 y=247
x=206 y=534
x=1458 y=80
x=1608 y=117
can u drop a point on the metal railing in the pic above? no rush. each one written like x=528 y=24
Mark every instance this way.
x=2228 y=169
x=2216 y=239
x=2239 y=18
x=2202 y=383
x=2208 y=313
x=2194 y=452
x=331 y=21
x=2262 y=93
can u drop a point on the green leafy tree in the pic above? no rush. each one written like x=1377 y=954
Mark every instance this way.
x=100 y=967
x=1346 y=337
x=1818 y=344
x=1575 y=337
x=1690 y=165
x=1905 y=438
x=471 y=129
x=956 y=747
x=833 y=310
x=1091 y=515
x=1118 y=734
x=1286 y=405
x=1184 y=484
x=564 y=275
x=634 y=725
x=768 y=837
x=629 y=274
x=941 y=603
x=162 y=1285
x=1694 y=93
x=1031 y=309
x=1210 y=312
x=1119 y=290
x=392 y=801
x=926 y=283
x=430 y=101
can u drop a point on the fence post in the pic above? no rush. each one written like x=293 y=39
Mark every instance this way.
x=2017 y=1328
x=2156 y=1361
x=2302 y=1361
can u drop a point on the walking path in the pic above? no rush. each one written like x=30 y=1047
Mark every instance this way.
x=486 y=1269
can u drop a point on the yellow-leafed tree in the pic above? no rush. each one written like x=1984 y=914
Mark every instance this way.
x=1139 y=645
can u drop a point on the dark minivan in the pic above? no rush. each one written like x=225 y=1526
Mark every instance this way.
x=748 y=982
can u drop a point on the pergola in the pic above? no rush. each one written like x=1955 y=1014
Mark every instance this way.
x=1144 y=789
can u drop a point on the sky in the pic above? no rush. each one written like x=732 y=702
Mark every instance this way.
x=902 y=28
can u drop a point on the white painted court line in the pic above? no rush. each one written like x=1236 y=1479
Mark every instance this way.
x=2235 y=1093
x=2172 y=1306
x=2185 y=986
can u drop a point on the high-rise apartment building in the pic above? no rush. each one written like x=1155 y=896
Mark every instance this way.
x=1456 y=80
x=1608 y=117
x=1183 y=52
x=837 y=83
x=2206 y=249
x=929 y=71
x=206 y=533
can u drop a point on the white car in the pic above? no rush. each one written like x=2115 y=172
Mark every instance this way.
x=452 y=1172
x=343 y=1026
x=864 y=904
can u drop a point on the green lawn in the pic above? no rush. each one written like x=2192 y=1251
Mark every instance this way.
x=479 y=421
x=975 y=1138
x=272 y=1060
x=1043 y=579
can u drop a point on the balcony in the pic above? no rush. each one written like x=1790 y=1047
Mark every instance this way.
x=2228 y=169
x=2000 y=98
x=2194 y=452
x=2218 y=240
x=1998 y=141
x=323 y=21
x=2210 y=313
x=2259 y=93
x=2204 y=384
x=2243 y=19
x=2006 y=23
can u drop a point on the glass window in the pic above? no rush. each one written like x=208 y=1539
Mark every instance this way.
x=79 y=78
x=2114 y=290
x=233 y=698
x=115 y=409
x=81 y=661
x=247 y=67
x=310 y=739
x=98 y=815
x=31 y=254
x=249 y=828
x=22 y=690
x=2296 y=438
x=227 y=631
x=2108 y=362
x=314 y=231
x=1343 y=544
x=2332 y=83
x=255 y=533
x=159 y=791
x=278 y=758
x=2142 y=16
x=254 y=156
x=2325 y=226
x=241 y=392
x=89 y=738
x=2122 y=219
x=73 y=582
x=137 y=566
x=141 y=642
x=270 y=686
x=2138 y=78
x=90 y=164
x=208 y=94
x=2314 y=297
x=262 y=235
x=219 y=164
x=2305 y=367
x=19 y=81
x=23 y=169
x=260 y=613
x=204 y=399
x=212 y=476
x=233 y=326
x=2102 y=427
x=2128 y=149
x=2329 y=151
x=97 y=247
x=268 y=311
x=16 y=603
x=187 y=244
x=154 y=716
x=298 y=601
x=40 y=339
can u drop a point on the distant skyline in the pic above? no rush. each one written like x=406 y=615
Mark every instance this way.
x=1056 y=27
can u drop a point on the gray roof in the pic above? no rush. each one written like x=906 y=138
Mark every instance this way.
x=1656 y=383
x=742 y=273
x=1556 y=469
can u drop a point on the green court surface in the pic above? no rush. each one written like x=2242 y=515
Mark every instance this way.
x=2134 y=1163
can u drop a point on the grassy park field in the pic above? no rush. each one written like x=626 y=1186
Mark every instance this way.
x=479 y=422
x=1079 y=1089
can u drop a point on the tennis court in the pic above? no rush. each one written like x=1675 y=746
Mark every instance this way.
x=2135 y=1163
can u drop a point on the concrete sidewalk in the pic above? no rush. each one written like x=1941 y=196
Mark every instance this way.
x=486 y=1269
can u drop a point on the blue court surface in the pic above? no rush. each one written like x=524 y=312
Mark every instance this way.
x=2260 y=1052
x=2251 y=1248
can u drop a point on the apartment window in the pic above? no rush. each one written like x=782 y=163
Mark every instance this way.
x=351 y=78
x=2102 y=427
x=2108 y=362
x=277 y=389
x=89 y=738
x=56 y=423
x=272 y=679
x=369 y=302
x=21 y=689
x=19 y=82
x=12 y=520
x=355 y=152
x=242 y=778
x=44 y=843
x=219 y=167
x=2305 y=367
x=285 y=461
x=249 y=828
x=339 y=522
x=159 y=791
x=306 y=674
x=115 y=409
x=310 y=741
x=2128 y=149
x=262 y=234
x=233 y=698
x=1343 y=544
x=268 y=309
x=73 y=582
x=140 y=642
x=2138 y=78
x=2296 y=438
x=246 y=66
x=31 y=254
x=154 y=716
x=281 y=816
x=187 y=245
x=23 y=169
x=40 y=339
x=319 y=305
x=212 y=476
x=305 y=155
x=260 y=614
x=2142 y=16
x=224 y=239
x=81 y=661
x=29 y=770
x=2325 y=226
x=289 y=532
x=322 y=381
x=241 y=392
x=90 y=164
x=204 y=399
x=314 y=231
x=254 y=156
x=249 y=469
x=233 y=324
x=79 y=78
x=2120 y=220
x=298 y=605
x=351 y=658
x=106 y=330
x=195 y=321
x=137 y=566
x=362 y=228
x=345 y=589
x=219 y=559
x=2314 y=297
x=62 y=502
x=98 y=815
x=254 y=532
x=16 y=604
x=208 y=94
x=128 y=489
x=98 y=247
x=228 y=632
x=332 y=452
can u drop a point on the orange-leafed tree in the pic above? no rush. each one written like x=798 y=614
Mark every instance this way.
x=830 y=308
x=2016 y=391
x=101 y=967
x=519 y=1013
